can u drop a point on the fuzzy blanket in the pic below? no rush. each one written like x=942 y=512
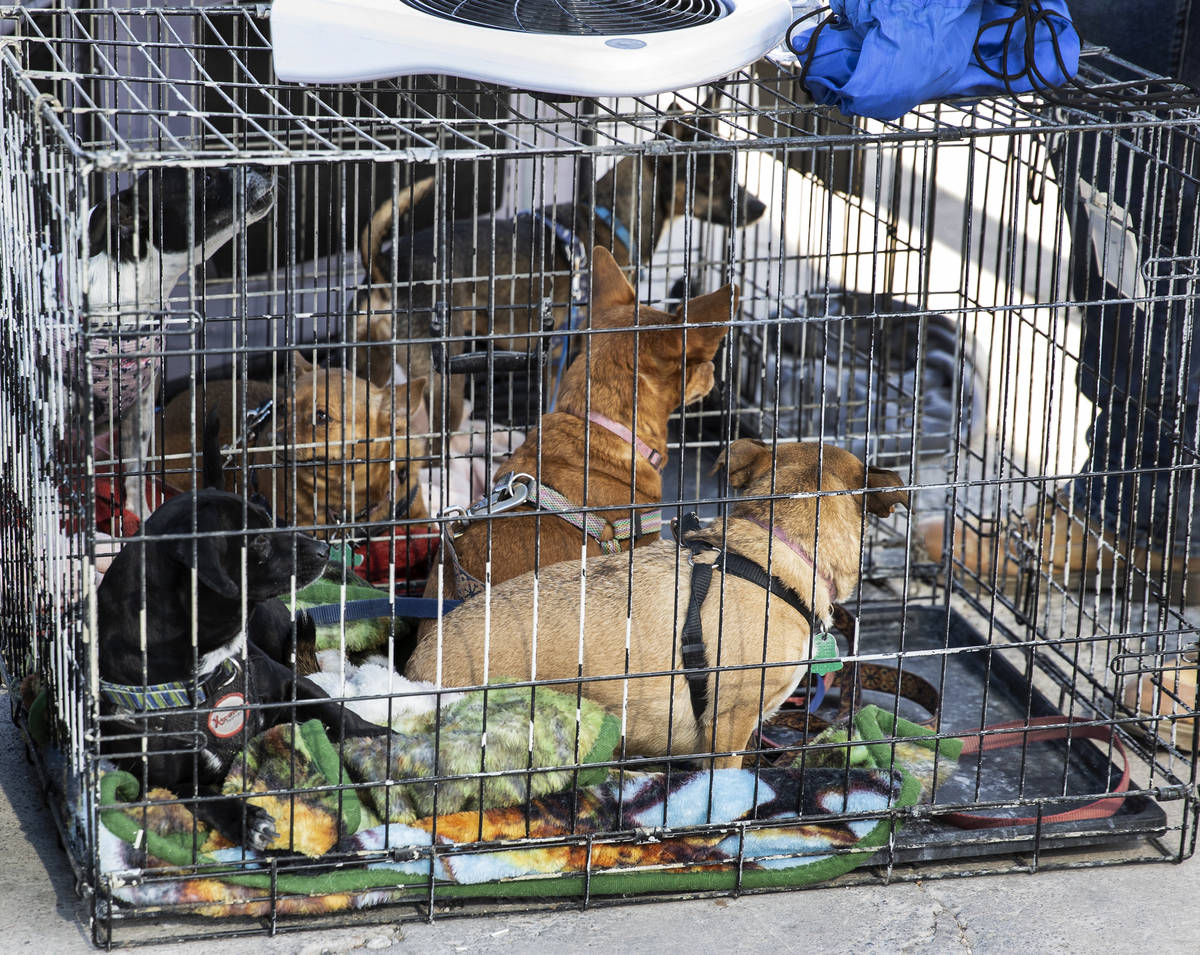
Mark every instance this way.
x=351 y=842
x=356 y=636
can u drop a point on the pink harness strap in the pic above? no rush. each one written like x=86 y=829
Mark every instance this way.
x=654 y=458
x=795 y=549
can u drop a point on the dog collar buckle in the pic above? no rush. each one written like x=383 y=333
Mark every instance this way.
x=652 y=456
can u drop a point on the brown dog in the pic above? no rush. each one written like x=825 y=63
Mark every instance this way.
x=635 y=202
x=347 y=443
x=600 y=382
x=658 y=710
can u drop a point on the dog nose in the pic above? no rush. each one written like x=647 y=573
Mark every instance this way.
x=260 y=181
x=321 y=549
x=752 y=209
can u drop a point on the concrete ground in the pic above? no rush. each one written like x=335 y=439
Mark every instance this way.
x=1122 y=909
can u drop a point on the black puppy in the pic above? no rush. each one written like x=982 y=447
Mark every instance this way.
x=199 y=685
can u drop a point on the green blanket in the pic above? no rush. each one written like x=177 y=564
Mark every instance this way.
x=361 y=635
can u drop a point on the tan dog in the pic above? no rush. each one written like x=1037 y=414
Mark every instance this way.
x=659 y=708
x=635 y=203
x=601 y=380
x=352 y=450
x=347 y=443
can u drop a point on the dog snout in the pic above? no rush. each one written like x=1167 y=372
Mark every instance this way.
x=260 y=185
x=320 y=551
x=752 y=209
x=311 y=557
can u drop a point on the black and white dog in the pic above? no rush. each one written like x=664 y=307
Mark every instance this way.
x=186 y=681
x=141 y=241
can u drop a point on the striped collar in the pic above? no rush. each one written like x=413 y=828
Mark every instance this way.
x=169 y=696
x=592 y=524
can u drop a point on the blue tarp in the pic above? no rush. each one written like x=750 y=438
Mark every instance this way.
x=883 y=57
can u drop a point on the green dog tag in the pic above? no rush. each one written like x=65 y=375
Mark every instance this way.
x=343 y=554
x=825 y=652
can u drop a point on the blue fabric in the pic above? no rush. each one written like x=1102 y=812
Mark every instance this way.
x=883 y=57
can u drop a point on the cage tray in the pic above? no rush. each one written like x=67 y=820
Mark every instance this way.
x=991 y=672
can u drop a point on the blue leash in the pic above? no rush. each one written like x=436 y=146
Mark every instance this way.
x=577 y=256
x=813 y=702
x=427 y=608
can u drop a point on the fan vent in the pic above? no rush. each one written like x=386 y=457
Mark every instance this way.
x=577 y=17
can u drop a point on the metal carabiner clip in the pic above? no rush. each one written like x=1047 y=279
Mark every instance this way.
x=512 y=493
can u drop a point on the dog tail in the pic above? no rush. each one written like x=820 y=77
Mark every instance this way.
x=377 y=229
x=214 y=467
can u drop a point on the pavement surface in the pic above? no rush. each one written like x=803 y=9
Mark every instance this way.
x=1134 y=908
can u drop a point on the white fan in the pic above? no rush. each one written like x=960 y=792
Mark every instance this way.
x=578 y=47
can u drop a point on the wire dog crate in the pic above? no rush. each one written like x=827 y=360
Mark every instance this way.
x=350 y=307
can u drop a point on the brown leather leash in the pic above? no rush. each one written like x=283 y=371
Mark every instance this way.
x=1022 y=732
x=853 y=678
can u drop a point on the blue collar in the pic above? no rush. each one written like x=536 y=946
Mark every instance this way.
x=620 y=233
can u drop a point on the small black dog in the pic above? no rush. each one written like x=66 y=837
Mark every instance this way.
x=197 y=643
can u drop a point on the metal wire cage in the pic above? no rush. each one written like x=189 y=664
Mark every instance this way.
x=353 y=308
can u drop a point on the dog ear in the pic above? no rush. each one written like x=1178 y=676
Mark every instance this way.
x=121 y=212
x=883 y=502
x=714 y=307
x=745 y=461
x=301 y=363
x=208 y=559
x=675 y=128
x=708 y=110
x=609 y=285
x=708 y=313
x=407 y=399
x=98 y=229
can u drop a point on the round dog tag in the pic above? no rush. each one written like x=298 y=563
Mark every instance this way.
x=228 y=716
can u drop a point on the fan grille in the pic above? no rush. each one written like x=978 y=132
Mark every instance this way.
x=577 y=17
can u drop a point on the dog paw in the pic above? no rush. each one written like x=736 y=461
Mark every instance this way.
x=260 y=828
x=370 y=729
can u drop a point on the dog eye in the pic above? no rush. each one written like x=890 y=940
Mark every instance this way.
x=320 y=416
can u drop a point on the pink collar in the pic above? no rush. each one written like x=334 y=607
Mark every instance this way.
x=795 y=549
x=656 y=460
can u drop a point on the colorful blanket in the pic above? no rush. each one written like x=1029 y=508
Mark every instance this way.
x=350 y=842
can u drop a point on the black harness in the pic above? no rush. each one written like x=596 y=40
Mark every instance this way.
x=695 y=659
